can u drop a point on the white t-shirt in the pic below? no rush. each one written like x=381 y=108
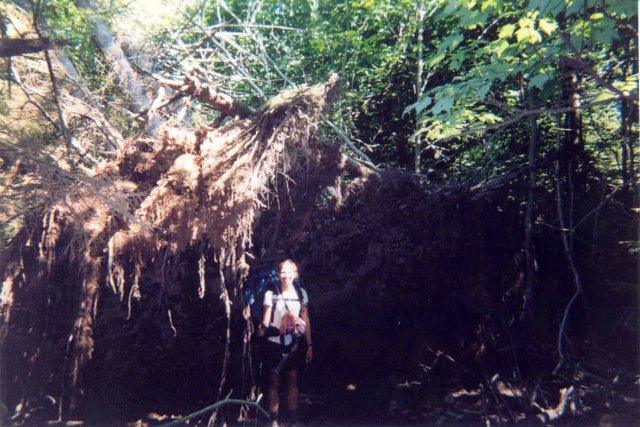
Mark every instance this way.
x=291 y=298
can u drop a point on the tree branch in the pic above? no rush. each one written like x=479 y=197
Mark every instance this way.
x=565 y=235
x=30 y=100
x=579 y=64
x=17 y=47
x=534 y=112
x=366 y=160
x=56 y=99
x=205 y=93
x=226 y=401
x=597 y=208
x=548 y=415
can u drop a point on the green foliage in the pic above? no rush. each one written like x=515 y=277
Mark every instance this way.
x=480 y=61
x=495 y=52
x=71 y=24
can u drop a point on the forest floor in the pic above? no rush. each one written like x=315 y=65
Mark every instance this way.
x=447 y=402
x=437 y=403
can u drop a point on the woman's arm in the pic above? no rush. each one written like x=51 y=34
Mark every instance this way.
x=266 y=318
x=304 y=315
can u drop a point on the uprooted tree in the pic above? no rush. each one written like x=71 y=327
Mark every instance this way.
x=128 y=230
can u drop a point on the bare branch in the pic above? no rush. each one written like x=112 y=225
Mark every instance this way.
x=528 y=113
x=35 y=104
x=266 y=27
x=548 y=415
x=205 y=93
x=12 y=174
x=568 y=252
x=17 y=47
x=366 y=160
x=579 y=64
x=56 y=99
x=132 y=84
x=215 y=406
x=597 y=208
x=81 y=109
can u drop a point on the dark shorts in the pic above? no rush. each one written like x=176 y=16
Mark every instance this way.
x=284 y=359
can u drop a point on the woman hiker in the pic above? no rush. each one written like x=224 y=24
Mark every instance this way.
x=285 y=310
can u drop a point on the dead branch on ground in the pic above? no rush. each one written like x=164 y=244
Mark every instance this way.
x=227 y=401
x=551 y=414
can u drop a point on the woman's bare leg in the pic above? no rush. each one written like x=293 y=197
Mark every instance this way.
x=292 y=393
x=274 y=396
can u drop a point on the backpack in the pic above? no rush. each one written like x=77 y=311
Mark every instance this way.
x=258 y=283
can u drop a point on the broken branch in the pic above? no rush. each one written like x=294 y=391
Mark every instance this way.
x=17 y=47
x=215 y=406
x=205 y=93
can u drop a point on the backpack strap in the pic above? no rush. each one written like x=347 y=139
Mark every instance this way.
x=299 y=294
x=271 y=288
x=273 y=309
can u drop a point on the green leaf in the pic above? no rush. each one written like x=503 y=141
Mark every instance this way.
x=605 y=31
x=528 y=35
x=452 y=5
x=422 y=103
x=498 y=47
x=473 y=19
x=525 y=22
x=506 y=31
x=443 y=104
x=488 y=4
x=539 y=81
x=631 y=83
x=540 y=5
x=436 y=60
x=574 y=7
x=547 y=26
x=604 y=95
x=489 y=118
x=482 y=92
x=451 y=42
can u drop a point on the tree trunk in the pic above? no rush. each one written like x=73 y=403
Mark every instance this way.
x=532 y=158
x=417 y=148
x=127 y=78
x=567 y=144
x=629 y=139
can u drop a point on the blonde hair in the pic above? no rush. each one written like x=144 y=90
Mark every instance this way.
x=288 y=263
